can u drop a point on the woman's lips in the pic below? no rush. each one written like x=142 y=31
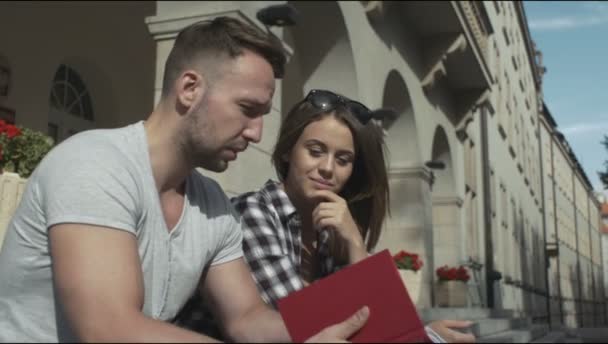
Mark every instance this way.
x=321 y=184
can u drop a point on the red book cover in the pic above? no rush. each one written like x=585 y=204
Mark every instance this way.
x=373 y=282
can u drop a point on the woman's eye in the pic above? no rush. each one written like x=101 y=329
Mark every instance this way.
x=315 y=152
x=343 y=162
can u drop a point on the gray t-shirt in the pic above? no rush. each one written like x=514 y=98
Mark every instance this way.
x=103 y=177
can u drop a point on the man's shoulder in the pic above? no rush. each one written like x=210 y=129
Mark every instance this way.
x=207 y=190
x=89 y=153
x=97 y=141
x=207 y=183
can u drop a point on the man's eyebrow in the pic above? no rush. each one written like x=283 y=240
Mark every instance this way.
x=258 y=104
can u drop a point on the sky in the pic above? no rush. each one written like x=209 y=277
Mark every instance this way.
x=573 y=38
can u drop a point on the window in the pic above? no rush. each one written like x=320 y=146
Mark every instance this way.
x=533 y=124
x=504 y=204
x=497 y=64
x=69 y=94
x=70 y=105
x=505 y=35
x=470 y=168
x=514 y=62
x=493 y=192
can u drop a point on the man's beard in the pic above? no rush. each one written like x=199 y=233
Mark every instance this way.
x=196 y=141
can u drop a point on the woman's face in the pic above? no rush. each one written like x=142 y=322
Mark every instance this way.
x=321 y=159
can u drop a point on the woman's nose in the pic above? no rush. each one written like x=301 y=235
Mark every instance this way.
x=326 y=167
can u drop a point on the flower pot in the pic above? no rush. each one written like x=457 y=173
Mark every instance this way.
x=11 y=189
x=451 y=293
x=412 y=280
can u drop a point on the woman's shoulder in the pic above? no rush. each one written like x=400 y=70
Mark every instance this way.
x=254 y=200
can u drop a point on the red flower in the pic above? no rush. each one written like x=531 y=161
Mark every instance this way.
x=407 y=261
x=400 y=255
x=12 y=131
x=21 y=149
x=452 y=274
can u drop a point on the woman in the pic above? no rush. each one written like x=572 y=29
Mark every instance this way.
x=329 y=205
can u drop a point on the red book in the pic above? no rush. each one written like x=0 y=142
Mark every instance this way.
x=373 y=282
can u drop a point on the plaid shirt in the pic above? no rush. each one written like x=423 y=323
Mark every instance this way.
x=272 y=242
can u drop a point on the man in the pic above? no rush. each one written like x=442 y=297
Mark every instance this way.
x=116 y=228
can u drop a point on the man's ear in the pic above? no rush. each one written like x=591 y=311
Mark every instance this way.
x=191 y=86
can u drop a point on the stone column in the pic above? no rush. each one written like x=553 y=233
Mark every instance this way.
x=409 y=226
x=11 y=190
x=448 y=238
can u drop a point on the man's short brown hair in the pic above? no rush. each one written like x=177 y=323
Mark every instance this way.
x=220 y=37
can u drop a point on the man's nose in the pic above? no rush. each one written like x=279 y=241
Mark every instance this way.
x=253 y=132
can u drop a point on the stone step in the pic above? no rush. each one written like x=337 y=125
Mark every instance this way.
x=490 y=326
x=520 y=335
x=551 y=337
x=440 y=313
x=587 y=335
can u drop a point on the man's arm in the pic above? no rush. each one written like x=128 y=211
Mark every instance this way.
x=231 y=293
x=99 y=285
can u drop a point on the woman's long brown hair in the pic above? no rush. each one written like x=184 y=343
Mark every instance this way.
x=366 y=191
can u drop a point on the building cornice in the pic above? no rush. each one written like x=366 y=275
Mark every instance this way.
x=448 y=200
x=163 y=27
x=419 y=172
x=523 y=23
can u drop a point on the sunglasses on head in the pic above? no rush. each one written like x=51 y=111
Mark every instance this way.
x=327 y=101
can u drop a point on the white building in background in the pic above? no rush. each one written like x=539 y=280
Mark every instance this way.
x=511 y=200
x=604 y=229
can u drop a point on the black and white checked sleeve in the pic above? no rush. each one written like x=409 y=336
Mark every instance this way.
x=272 y=267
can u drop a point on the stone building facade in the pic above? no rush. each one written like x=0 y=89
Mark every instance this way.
x=479 y=173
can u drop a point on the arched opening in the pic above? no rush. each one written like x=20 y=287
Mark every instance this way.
x=446 y=205
x=443 y=185
x=402 y=138
x=71 y=106
x=319 y=60
x=408 y=228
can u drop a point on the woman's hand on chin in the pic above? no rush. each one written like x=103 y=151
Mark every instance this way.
x=332 y=213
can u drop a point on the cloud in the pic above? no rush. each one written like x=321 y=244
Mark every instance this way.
x=565 y=23
x=585 y=128
x=596 y=6
x=596 y=14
